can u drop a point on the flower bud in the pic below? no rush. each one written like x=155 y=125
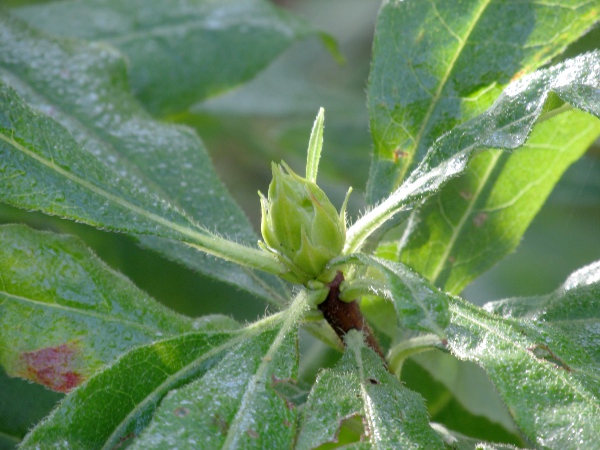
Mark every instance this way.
x=300 y=225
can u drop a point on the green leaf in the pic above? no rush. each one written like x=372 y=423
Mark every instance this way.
x=507 y=125
x=123 y=171
x=22 y=405
x=549 y=349
x=180 y=52
x=437 y=64
x=79 y=313
x=315 y=145
x=235 y=404
x=468 y=384
x=116 y=404
x=359 y=385
x=457 y=441
x=418 y=304
x=480 y=217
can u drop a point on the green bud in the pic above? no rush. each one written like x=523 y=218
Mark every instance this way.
x=300 y=225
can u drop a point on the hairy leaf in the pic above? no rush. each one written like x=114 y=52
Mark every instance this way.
x=116 y=404
x=468 y=384
x=64 y=314
x=507 y=125
x=359 y=385
x=235 y=404
x=22 y=405
x=437 y=64
x=177 y=49
x=457 y=441
x=480 y=217
x=548 y=347
x=418 y=304
x=111 y=165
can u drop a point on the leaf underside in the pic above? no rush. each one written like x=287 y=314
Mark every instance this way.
x=74 y=143
x=506 y=125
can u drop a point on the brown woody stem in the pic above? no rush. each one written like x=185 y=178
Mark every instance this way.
x=346 y=316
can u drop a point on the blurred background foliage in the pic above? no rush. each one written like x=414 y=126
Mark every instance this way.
x=269 y=119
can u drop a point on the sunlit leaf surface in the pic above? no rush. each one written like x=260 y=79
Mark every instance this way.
x=549 y=348
x=418 y=304
x=480 y=217
x=359 y=385
x=64 y=314
x=235 y=404
x=228 y=397
x=437 y=64
x=506 y=124
x=118 y=402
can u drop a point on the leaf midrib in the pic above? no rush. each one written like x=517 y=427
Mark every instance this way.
x=72 y=310
x=205 y=242
x=101 y=192
x=275 y=297
x=169 y=382
x=293 y=316
x=368 y=408
x=92 y=133
x=416 y=296
x=457 y=230
x=492 y=164
x=439 y=91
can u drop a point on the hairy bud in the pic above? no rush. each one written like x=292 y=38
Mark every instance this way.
x=300 y=225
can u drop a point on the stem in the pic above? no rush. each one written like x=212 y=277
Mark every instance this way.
x=346 y=316
x=204 y=241
x=367 y=224
x=410 y=347
x=240 y=254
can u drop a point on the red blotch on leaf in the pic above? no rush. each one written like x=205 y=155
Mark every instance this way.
x=54 y=367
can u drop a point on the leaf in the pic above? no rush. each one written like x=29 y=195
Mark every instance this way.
x=480 y=217
x=22 y=405
x=507 y=125
x=180 y=52
x=114 y=406
x=458 y=441
x=549 y=349
x=235 y=404
x=87 y=313
x=123 y=171
x=418 y=304
x=315 y=145
x=116 y=403
x=437 y=64
x=359 y=385
x=468 y=384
